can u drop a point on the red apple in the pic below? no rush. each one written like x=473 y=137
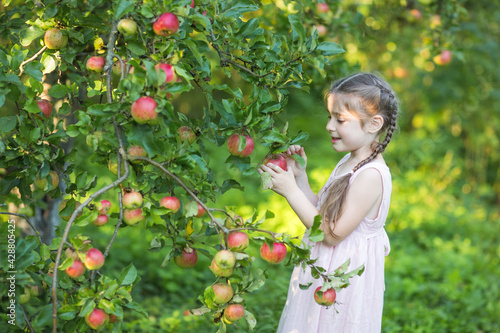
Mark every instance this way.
x=326 y=297
x=186 y=134
x=167 y=24
x=220 y=272
x=187 y=259
x=416 y=14
x=234 y=312
x=101 y=220
x=278 y=160
x=104 y=207
x=321 y=30
x=132 y=216
x=127 y=27
x=144 y=110
x=95 y=64
x=137 y=151
x=76 y=269
x=322 y=8
x=132 y=200
x=275 y=256
x=45 y=106
x=171 y=203
x=223 y=293
x=444 y=58
x=237 y=241
x=225 y=259
x=233 y=144
x=169 y=72
x=54 y=39
x=93 y=259
x=97 y=319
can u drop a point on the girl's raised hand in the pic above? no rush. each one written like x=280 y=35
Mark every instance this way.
x=295 y=166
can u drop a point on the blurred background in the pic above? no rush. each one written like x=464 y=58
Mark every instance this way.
x=441 y=57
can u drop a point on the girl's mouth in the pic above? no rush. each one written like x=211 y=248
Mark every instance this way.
x=335 y=139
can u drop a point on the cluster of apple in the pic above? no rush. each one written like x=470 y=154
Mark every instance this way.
x=102 y=218
x=224 y=263
x=94 y=259
x=132 y=202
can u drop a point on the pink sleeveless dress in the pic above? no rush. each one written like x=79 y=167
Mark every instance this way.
x=360 y=304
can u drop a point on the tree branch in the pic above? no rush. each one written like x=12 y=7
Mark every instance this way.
x=28 y=221
x=21 y=67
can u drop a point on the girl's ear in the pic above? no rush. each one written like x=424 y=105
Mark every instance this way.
x=375 y=124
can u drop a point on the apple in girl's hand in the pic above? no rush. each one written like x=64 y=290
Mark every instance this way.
x=220 y=272
x=275 y=256
x=326 y=297
x=95 y=64
x=104 y=207
x=97 y=319
x=187 y=259
x=223 y=293
x=132 y=216
x=94 y=259
x=233 y=144
x=45 y=106
x=101 y=220
x=234 y=312
x=171 y=203
x=166 y=25
x=278 y=160
x=237 y=241
x=132 y=200
x=76 y=269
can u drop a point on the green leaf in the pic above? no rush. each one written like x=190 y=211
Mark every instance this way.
x=138 y=308
x=297 y=27
x=299 y=159
x=128 y=275
x=250 y=318
x=29 y=35
x=124 y=7
x=330 y=48
x=49 y=62
x=136 y=48
x=59 y=91
x=191 y=209
x=238 y=8
x=305 y=286
x=67 y=312
x=266 y=181
x=315 y=233
x=7 y=124
x=194 y=49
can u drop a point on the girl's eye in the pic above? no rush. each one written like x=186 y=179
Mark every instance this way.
x=340 y=120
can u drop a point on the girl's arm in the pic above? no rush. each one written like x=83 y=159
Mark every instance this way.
x=363 y=195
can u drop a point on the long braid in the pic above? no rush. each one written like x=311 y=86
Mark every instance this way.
x=361 y=85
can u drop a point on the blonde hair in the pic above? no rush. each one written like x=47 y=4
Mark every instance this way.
x=366 y=95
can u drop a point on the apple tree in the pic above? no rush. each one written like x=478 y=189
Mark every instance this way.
x=96 y=82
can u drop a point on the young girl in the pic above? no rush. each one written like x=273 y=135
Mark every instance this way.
x=353 y=203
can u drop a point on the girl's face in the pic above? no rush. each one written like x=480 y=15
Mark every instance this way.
x=347 y=130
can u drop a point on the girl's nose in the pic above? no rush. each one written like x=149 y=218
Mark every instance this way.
x=330 y=126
